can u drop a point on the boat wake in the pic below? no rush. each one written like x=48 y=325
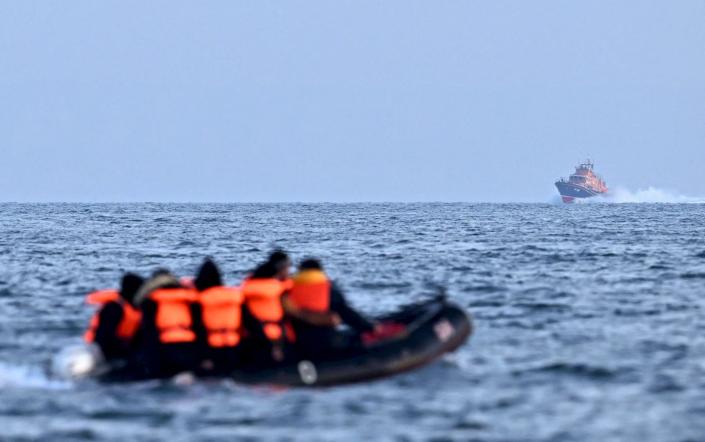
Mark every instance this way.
x=648 y=195
x=622 y=195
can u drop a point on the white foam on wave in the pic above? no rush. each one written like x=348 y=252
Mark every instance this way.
x=26 y=376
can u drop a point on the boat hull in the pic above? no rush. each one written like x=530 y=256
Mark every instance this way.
x=434 y=329
x=570 y=192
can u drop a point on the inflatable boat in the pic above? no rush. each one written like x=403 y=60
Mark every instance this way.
x=424 y=332
x=414 y=336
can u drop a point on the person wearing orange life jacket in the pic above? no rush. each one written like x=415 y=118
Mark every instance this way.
x=114 y=326
x=313 y=292
x=169 y=344
x=217 y=320
x=262 y=314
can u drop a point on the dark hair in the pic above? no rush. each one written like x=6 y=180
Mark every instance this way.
x=268 y=269
x=310 y=264
x=278 y=259
x=208 y=276
x=129 y=285
x=278 y=256
x=265 y=270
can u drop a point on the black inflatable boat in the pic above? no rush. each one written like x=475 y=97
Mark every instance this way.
x=426 y=331
x=420 y=334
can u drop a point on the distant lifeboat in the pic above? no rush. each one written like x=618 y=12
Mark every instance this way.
x=584 y=183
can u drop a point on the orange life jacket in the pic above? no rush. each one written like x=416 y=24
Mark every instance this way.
x=173 y=319
x=221 y=310
x=131 y=317
x=263 y=299
x=311 y=291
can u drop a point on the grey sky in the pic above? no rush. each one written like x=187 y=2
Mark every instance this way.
x=347 y=101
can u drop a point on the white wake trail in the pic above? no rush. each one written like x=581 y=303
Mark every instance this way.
x=649 y=195
x=622 y=195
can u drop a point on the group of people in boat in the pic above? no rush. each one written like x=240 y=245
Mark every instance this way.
x=164 y=325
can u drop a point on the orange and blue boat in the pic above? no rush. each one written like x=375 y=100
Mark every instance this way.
x=584 y=183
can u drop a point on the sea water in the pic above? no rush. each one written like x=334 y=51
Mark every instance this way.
x=589 y=319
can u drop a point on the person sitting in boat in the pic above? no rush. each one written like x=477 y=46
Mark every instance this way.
x=217 y=320
x=114 y=327
x=262 y=313
x=168 y=344
x=314 y=296
x=264 y=317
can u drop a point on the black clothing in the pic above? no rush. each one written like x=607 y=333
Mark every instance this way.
x=158 y=359
x=255 y=348
x=221 y=360
x=349 y=316
x=215 y=361
x=312 y=339
x=106 y=338
x=109 y=319
x=254 y=330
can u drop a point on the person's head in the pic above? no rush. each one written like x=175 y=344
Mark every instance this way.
x=129 y=285
x=280 y=264
x=310 y=264
x=208 y=276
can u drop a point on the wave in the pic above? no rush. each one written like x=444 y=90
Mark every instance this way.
x=24 y=376
x=575 y=369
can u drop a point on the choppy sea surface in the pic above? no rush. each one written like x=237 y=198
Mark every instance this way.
x=590 y=320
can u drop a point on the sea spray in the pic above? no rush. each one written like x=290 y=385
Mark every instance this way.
x=649 y=195
x=78 y=362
